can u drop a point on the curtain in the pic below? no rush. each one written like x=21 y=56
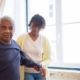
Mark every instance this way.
x=2 y=4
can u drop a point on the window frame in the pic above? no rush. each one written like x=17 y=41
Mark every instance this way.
x=59 y=24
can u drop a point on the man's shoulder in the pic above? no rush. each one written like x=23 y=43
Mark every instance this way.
x=15 y=44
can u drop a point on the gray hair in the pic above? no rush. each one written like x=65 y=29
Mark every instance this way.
x=7 y=18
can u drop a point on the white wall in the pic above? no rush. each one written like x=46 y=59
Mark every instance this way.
x=17 y=10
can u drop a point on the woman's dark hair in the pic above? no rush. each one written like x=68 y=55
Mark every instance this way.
x=38 y=20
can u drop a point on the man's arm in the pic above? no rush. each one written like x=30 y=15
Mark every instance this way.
x=27 y=62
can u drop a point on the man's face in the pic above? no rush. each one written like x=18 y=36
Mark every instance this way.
x=6 y=31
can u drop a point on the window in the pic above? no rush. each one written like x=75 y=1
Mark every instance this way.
x=63 y=25
x=71 y=31
x=50 y=7
x=51 y=10
x=50 y=14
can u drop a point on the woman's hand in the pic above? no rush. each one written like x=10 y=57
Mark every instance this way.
x=42 y=71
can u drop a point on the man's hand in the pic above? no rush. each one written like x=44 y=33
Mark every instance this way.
x=36 y=68
x=42 y=71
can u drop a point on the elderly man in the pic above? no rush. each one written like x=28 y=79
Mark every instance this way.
x=11 y=55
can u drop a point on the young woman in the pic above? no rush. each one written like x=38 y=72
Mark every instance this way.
x=36 y=47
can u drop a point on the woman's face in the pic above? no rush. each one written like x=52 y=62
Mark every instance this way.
x=36 y=29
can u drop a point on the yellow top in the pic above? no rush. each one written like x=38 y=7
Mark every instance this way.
x=46 y=54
